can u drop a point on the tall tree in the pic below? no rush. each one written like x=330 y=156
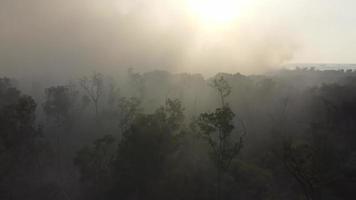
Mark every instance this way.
x=94 y=89
x=217 y=128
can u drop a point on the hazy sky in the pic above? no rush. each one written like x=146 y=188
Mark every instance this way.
x=69 y=36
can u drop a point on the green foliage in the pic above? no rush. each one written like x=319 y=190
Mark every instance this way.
x=127 y=110
x=95 y=161
x=21 y=141
x=222 y=87
x=145 y=147
x=301 y=141
x=18 y=130
x=217 y=129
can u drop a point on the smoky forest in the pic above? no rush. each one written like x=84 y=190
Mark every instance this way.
x=283 y=135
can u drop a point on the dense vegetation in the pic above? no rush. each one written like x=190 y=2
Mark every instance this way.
x=286 y=135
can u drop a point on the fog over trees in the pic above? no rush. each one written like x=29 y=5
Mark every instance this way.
x=177 y=100
x=287 y=134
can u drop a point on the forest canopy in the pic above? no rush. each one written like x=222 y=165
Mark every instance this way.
x=289 y=134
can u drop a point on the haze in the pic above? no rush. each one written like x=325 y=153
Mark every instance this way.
x=66 y=37
x=177 y=100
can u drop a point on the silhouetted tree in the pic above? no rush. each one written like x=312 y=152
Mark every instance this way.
x=59 y=103
x=217 y=128
x=94 y=88
x=95 y=164
x=21 y=141
x=137 y=82
x=128 y=109
x=144 y=149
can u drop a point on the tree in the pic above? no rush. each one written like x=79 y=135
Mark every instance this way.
x=311 y=162
x=144 y=149
x=21 y=139
x=311 y=157
x=59 y=103
x=137 y=81
x=128 y=109
x=217 y=128
x=94 y=88
x=60 y=107
x=95 y=165
x=222 y=87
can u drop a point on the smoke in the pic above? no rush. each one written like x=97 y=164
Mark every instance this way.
x=60 y=38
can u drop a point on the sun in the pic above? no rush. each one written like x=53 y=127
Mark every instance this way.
x=215 y=12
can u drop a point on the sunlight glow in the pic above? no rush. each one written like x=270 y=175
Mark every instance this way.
x=216 y=12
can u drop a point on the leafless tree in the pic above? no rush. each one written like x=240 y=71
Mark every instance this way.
x=94 y=88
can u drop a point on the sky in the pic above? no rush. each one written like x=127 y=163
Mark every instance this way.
x=54 y=37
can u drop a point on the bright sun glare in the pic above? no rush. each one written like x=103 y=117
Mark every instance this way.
x=216 y=12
